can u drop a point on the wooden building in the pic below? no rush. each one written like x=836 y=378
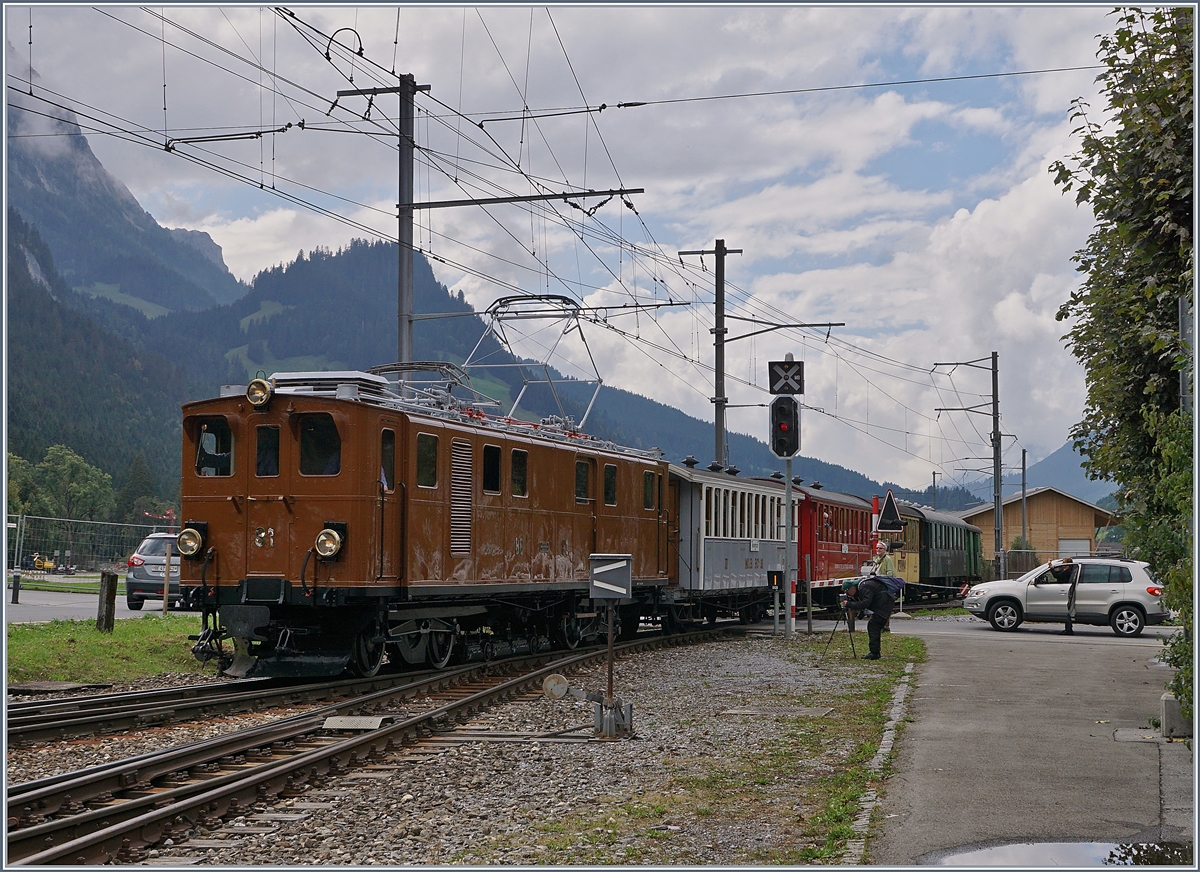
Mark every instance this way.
x=1058 y=524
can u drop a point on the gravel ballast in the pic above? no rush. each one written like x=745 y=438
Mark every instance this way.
x=738 y=747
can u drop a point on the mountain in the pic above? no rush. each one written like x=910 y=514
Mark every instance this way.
x=72 y=382
x=1064 y=470
x=103 y=242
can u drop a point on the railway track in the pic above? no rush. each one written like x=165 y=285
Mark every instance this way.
x=111 y=812
x=46 y=720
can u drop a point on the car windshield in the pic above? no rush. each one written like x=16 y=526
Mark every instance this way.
x=155 y=547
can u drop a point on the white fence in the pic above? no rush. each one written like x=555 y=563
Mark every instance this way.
x=73 y=546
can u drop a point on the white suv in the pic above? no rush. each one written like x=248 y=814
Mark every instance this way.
x=1121 y=593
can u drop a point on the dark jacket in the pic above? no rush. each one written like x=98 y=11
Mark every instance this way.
x=873 y=595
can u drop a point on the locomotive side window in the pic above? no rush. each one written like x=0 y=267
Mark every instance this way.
x=610 y=484
x=520 y=473
x=387 y=460
x=491 y=469
x=320 y=445
x=266 y=461
x=583 y=484
x=214 y=453
x=647 y=490
x=427 y=454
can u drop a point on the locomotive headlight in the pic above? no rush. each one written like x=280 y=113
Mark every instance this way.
x=190 y=540
x=258 y=392
x=328 y=544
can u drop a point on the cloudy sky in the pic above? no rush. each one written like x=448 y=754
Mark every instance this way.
x=922 y=215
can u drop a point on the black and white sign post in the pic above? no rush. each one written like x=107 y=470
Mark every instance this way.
x=612 y=579
x=787 y=380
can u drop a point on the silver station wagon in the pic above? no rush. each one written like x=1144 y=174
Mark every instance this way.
x=1120 y=593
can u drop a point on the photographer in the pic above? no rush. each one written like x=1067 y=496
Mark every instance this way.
x=872 y=595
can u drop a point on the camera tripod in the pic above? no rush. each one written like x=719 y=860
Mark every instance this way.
x=849 y=631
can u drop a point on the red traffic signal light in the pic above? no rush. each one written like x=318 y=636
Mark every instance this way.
x=785 y=426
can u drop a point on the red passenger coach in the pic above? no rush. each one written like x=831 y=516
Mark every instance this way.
x=835 y=537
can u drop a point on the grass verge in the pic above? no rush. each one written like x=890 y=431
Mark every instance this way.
x=77 y=651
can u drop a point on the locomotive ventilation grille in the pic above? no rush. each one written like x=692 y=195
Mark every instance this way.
x=460 y=497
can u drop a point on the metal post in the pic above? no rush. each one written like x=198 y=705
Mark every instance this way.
x=612 y=610
x=720 y=400
x=789 y=573
x=167 y=580
x=16 y=586
x=808 y=588
x=935 y=475
x=997 y=506
x=1024 y=527
x=408 y=90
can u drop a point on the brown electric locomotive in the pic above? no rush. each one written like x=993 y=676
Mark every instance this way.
x=332 y=515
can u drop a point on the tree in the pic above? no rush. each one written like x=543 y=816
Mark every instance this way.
x=70 y=487
x=1135 y=171
x=21 y=490
x=139 y=484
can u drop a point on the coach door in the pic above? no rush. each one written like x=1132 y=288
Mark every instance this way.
x=388 y=506
x=268 y=506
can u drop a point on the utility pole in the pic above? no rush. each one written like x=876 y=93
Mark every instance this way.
x=407 y=90
x=1024 y=527
x=997 y=507
x=720 y=453
x=935 y=475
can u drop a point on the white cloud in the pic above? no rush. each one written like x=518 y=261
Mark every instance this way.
x=844 y=209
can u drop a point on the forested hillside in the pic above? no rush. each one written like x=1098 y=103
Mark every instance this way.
x=72 y=382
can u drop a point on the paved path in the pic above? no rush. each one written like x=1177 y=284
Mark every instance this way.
x=35 y=606
x=1032 y=736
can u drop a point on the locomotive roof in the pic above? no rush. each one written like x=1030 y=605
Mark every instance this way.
x=434 y=399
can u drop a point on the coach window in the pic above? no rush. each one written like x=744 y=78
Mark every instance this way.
x=708 y=511
x=610 y=484
x=320 y=445
x=520 y=473
x=647 y=490
x=725 y=509
x=387 y=460
x=583 y=479
x=214 y=453
x=427 y=460
x=266 y=453
x=741 y=500
x=491 y=469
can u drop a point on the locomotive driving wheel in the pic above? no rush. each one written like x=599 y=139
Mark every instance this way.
x=367 y=655
x=439 y=648
x=568 y=631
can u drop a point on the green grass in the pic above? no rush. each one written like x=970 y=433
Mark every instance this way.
x=77 y=651
x=114 y=293
x=86 y=586
x=934 y=613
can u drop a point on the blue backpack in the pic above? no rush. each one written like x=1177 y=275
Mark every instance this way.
x=893 y=584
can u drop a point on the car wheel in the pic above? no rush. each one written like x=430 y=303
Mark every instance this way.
x=1127 y=621
x=1005 y=615
x=135 y=605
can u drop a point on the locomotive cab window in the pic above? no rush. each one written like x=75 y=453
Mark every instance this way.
x=387 y=460
x=214 y=448
x=320 y=445
x=266 y=453
x=610 y=484
x=647 y=490
x=491 y=469
x=427 y=456
x=583 y=480
x=520 y=473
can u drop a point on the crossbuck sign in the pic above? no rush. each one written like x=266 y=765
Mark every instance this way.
x=787 y=376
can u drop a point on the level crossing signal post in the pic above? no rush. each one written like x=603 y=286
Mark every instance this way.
x=787 y=380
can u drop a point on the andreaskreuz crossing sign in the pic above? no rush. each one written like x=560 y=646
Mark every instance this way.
x=787 y=376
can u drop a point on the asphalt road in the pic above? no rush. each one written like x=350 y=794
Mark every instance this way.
x=35 y=606
x=1032 y=736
